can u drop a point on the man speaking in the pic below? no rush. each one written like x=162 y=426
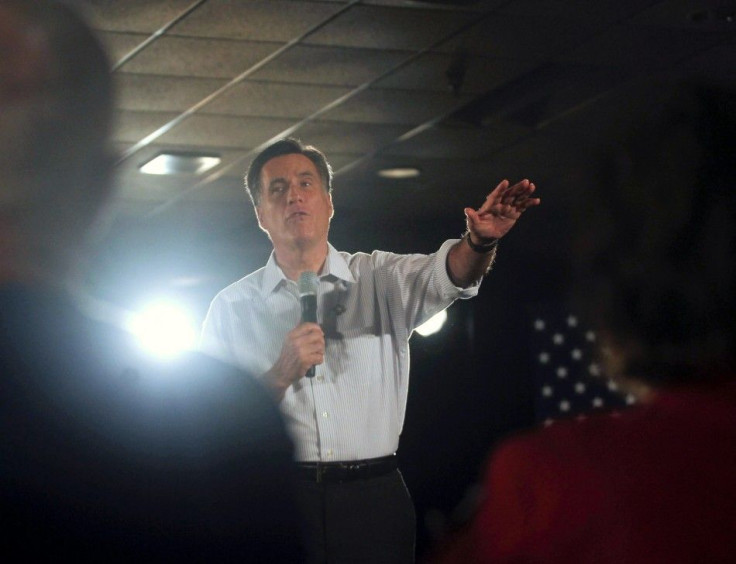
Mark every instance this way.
x=346 y=420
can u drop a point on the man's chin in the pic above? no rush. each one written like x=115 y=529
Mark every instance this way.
x=303 y=239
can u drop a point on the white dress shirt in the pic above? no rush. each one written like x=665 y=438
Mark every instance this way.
x=368 y=306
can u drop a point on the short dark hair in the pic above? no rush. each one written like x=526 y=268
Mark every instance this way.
x=286 y=146
x=655 y=246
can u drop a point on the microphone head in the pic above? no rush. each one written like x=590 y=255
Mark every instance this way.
x=308 y=283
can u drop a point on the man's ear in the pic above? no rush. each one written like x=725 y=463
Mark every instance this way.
x=332 y=207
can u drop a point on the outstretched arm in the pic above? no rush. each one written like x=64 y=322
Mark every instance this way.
x=470 y=259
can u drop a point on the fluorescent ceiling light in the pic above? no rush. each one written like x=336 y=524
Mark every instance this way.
x=399 y=172
x=180 y=163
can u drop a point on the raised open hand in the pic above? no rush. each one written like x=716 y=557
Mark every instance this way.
x=501 y=210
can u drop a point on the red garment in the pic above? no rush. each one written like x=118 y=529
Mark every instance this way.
x=656 y=484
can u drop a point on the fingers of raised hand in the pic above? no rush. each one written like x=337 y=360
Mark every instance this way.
x=518 y=196
x=506 y=202
x=494 y=196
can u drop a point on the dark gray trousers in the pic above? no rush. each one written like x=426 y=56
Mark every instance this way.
x=367 y=521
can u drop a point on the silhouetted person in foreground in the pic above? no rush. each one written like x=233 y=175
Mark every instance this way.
x=105 y=454
x=655 y=251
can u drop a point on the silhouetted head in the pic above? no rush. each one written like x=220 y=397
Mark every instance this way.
x=55 y=117
x=655 y=244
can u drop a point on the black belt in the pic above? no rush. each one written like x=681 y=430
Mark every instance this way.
x=347 y=471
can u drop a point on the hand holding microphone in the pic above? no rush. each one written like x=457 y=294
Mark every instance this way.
x=308 y=283
x=303 y=347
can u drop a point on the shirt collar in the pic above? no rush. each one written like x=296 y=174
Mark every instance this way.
x=273 y=276
x=335 y=266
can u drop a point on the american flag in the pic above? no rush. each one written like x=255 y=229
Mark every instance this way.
x=568 y=382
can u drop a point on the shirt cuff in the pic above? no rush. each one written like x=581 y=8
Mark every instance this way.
x=445 y=286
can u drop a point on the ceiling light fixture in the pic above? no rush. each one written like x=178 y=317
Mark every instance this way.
x=180 y=163
x=398 y=173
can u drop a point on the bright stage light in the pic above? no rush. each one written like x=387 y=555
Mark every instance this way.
x=433 y=324
x=164 y=329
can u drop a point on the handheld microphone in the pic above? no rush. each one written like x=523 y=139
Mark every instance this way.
x=308 y=283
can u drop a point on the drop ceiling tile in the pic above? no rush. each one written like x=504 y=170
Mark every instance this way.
x=187 y=56
x=459 y=142
x=334 y=137
x=408 y=107
x=430 y=72
x=272 y=100
x=342 y=66
x=118 y=44
x=141 y=92
x=378 y=27
x=512 y=37
x=272 y=20
x=131 y=127
x=132 y=15
x=224 y=131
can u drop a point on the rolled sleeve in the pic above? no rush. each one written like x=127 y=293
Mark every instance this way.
x=444 y=285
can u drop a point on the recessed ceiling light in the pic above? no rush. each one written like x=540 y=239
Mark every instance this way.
x=399 y=172
x=180 y=163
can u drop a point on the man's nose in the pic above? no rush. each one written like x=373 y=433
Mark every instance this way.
x=295 y=194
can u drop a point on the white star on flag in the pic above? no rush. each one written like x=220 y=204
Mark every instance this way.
x=568 y=381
